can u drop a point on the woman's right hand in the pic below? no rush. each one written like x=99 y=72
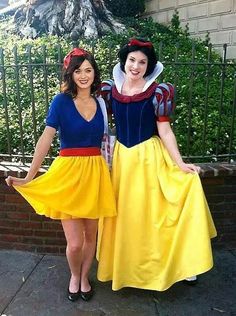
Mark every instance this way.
x=40 y=153
x=16 y=181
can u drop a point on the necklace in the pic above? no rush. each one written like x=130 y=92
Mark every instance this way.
x=82 y=99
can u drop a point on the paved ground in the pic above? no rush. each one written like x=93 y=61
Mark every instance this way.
x=35 y=285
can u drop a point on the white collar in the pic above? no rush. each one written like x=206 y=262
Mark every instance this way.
x=119 y=76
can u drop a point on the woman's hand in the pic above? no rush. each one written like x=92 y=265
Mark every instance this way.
x=41 y=150
x=189 y=168
x=16 y=181
x=168 y=138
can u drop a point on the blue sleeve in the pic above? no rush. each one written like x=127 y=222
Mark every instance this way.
x=53 y=119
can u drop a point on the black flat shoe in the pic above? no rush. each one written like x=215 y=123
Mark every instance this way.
x=86 y=296
x=73 y=296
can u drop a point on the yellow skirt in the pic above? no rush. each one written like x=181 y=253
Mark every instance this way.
x=162 y=232
x=73 y=187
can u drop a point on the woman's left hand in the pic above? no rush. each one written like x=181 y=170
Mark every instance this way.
x=189 y=168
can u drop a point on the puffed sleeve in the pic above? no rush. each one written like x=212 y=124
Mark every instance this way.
x=105 y=93
x=52 y=118
x=163 y=101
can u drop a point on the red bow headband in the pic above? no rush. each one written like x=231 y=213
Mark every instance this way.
x=135 y=42
x=74 y=52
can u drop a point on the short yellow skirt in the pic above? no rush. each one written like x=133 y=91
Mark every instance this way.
x=73 y=187
x=162 y=232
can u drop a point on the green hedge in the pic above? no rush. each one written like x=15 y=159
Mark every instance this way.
x=175 y=50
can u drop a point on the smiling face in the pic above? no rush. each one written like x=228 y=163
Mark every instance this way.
x=84 y=75
x=136 y=65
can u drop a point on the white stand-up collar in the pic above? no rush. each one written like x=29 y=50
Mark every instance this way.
x=119 y=76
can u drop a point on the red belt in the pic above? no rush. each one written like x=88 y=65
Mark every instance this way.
x=87 y=151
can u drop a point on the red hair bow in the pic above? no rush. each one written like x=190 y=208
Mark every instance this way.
x=74 y=52
x=135 y=42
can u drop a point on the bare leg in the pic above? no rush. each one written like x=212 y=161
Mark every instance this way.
x=90 y=235
x=73 y=229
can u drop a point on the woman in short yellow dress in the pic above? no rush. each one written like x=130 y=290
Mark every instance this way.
x=162 y=231
x=76 y=189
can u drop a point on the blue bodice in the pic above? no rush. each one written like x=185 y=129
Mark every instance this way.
x=135 y=119
x=136 y=116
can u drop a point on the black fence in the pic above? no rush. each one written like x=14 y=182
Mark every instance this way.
x=204 y=120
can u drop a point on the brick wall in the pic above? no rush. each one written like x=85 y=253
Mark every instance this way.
x=216 y=16
x=219 y=184
x=22 y=229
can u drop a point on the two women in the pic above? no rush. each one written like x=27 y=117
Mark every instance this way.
x=162 y=232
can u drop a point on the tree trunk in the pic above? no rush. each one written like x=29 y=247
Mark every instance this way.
x=89 y=18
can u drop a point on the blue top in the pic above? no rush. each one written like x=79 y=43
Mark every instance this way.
x=135 y=116
x=74 y=130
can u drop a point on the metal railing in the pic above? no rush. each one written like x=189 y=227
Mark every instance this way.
x=204 y=120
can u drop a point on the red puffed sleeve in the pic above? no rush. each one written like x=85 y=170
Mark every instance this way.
x=105 y=93
x=163 y=101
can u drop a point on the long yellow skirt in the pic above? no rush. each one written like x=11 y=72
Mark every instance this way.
x=162 y=232
x=73 y=187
